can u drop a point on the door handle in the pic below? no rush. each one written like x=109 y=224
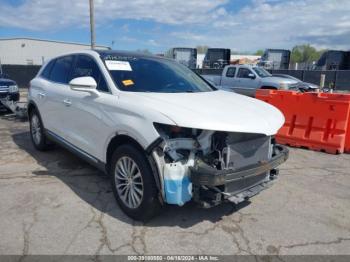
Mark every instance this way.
x=67 y=102
x=41 y=95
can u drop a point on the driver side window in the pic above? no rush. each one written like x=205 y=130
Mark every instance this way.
x=244 y=73
x=86 y=66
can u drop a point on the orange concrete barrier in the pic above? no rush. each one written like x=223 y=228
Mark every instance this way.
x=347 y=142
x=318 y=121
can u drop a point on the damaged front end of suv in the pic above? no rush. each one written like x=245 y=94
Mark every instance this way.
x=210 y=167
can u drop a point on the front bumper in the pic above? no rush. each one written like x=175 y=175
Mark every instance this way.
x=9 y=96
x=235 y=185
x=204 y=176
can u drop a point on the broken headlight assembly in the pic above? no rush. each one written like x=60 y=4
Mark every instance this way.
x=178 y=141
x=173 y=131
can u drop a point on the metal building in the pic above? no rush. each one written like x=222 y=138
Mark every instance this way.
x=31 y=51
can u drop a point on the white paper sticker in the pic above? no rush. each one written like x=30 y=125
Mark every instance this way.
x=118 y=65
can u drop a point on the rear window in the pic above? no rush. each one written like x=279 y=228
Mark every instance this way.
x=231 y=72
x=61 y=69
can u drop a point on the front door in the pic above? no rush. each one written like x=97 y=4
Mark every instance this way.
x=245 y=82
x=87 y=121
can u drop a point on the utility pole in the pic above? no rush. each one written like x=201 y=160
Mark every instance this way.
x=92 y=24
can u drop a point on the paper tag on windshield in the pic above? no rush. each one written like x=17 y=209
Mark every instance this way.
x=128 y=82
x=118 y=65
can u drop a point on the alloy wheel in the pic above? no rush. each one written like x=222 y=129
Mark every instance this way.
x=36 y=129
x=128 y=181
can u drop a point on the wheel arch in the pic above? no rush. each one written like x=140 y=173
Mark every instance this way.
x=122 y=139
x=32 y=106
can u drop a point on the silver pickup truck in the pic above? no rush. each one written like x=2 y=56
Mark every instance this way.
x=245 y=79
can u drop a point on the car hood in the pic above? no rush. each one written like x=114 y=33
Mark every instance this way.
x=6 y=82
x=308 y=85
x=217 y=110
x=275 y=79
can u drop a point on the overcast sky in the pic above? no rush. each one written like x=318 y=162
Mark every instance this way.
x=242 y=25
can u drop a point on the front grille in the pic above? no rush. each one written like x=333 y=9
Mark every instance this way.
x=247 y=149
x=4 y=89
x=3 y=94
x=244 y=150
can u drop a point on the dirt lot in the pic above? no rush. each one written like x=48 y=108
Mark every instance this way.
x=53 y=203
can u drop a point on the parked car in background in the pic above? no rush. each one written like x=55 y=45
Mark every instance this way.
x=245 y=79
x=8 y=89
x=301 y=86
x=163 y=134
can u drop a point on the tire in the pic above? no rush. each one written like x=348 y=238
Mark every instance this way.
x=37 y=134
x=133 y=183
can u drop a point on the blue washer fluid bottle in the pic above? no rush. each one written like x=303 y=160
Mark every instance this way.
x=177 y=185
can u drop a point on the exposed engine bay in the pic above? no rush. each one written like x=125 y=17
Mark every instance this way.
x=193 y=162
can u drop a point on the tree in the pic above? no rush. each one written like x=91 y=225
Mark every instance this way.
x=305 y=54
x=259 y=52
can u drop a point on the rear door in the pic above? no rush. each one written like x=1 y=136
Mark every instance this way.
x=51 y=96
x=228 y=80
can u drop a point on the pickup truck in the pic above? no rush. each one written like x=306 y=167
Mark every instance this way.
x=245 y=79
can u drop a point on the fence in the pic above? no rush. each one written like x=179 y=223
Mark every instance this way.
x=340 y=79
x=22 y=74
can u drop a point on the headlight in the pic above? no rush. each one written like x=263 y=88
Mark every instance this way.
x=172 y=131
x=13 y=88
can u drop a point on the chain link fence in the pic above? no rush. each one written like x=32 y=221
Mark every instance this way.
x=339 y=79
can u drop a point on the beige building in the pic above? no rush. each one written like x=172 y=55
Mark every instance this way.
x=30 y=51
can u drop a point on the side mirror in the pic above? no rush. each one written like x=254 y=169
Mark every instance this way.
x=84 y=84
x=251 y=76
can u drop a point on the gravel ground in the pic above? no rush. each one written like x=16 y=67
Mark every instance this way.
x=54 y=203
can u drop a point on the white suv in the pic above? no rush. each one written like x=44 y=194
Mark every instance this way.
x=161 y=132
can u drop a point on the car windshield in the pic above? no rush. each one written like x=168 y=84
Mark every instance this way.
x=148 y=74
x=261 y=72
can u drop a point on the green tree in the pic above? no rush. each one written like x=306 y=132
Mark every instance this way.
x=305 y=54
x=259 y=52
